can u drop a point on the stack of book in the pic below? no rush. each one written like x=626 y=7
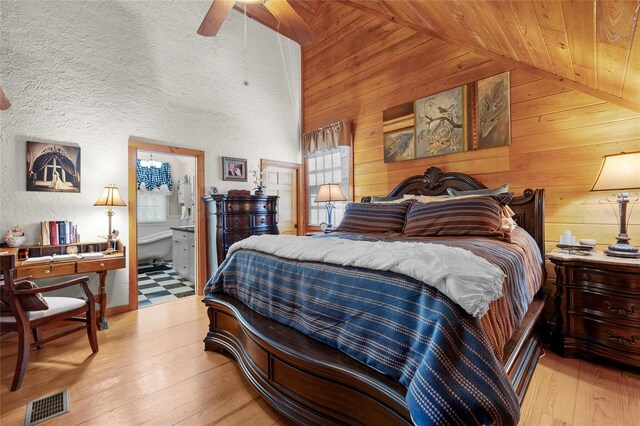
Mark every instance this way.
x=58 y=232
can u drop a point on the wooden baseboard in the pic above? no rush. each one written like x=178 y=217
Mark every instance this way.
x=115 y=310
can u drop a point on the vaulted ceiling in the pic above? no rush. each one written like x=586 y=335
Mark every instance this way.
x=589 y=45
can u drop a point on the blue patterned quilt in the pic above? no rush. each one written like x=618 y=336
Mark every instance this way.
x=393 y=323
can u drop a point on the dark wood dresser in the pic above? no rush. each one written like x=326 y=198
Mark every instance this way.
x=597 y=306
x=238 y=217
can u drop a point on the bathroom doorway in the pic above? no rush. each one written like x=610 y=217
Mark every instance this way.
x=166 y=223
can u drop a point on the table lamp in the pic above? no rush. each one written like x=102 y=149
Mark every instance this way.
x=620 y=172
x=109 y=198
x=330 y=192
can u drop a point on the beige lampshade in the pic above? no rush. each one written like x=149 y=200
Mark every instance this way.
x=110 y=197
x=619 y=172
x=330 y=192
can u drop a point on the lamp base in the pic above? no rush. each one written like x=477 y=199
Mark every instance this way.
x=622 y=249
x=616 y=253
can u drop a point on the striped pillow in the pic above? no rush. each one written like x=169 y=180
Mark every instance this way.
x=465 y=216
x=371 y=217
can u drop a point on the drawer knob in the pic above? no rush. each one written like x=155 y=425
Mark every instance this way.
x=236 y=222
x=102 y=265
x=586 y=277
x=263 y=220
x=622 y=340
x=264 y=207
x=631 y=312
x=48 y=271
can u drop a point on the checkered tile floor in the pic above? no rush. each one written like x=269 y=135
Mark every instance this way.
x=159 y=286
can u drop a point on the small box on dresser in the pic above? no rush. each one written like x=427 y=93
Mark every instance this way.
x=597 y=307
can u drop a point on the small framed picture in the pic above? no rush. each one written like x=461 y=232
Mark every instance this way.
x=234 y=169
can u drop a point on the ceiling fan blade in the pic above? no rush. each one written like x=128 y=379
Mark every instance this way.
x=289 y=19
x=215 y=17
x=4 y=102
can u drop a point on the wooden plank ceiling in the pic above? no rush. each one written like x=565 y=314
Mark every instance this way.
x=305 y=8
x=589 y=45
x=594 y=44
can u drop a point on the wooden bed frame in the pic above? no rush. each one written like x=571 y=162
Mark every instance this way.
x=313 y=383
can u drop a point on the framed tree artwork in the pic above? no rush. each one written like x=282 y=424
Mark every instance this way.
x=53 y=167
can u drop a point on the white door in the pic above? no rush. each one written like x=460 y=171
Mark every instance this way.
x=281 y=181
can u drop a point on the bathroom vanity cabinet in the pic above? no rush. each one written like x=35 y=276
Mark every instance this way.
x=183 y=251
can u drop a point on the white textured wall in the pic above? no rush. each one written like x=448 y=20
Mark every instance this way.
x=98 y=73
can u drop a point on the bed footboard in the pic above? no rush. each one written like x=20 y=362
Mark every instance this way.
x=313 y=383
x=306 y=380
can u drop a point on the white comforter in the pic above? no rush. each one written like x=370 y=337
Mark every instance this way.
x=469 y=280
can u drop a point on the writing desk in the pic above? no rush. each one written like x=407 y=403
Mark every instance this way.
x=48 y=269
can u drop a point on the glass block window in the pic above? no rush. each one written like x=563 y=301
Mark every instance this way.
x=152 y=207
x=327 y=167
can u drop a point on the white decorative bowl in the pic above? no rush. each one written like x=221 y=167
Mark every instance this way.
x=587 y=242
x=15 y=240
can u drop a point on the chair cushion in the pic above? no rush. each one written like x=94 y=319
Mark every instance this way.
x=56 y=305
x=30 y=302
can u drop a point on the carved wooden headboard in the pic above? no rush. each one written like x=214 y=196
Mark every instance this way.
x=528 y=207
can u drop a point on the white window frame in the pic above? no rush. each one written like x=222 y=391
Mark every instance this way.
x=339 y=162
x=152 y=208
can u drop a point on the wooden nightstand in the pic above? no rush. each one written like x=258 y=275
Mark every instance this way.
x=597 y=305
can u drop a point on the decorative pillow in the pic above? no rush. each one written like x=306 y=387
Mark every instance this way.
x=489 y=191
x=507 y=222
x=30 y=302
x=432 y=198
x=393 y=200
x=480 y=216
x=374 y=217
x=387 y=199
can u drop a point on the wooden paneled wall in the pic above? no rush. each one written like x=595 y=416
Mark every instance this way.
x=361 y=65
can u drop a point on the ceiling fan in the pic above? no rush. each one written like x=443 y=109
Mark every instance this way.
x=288 y=19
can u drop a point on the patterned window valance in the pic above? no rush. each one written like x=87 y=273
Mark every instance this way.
x=154 y=179
x=327 y=137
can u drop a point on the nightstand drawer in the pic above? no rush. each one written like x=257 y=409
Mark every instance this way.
x=604 y=278
x=612 y=335
x=605 y=305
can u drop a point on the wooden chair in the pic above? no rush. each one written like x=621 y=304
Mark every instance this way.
x=61 y=311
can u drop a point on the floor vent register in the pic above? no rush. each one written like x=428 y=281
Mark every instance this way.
x=47 y=407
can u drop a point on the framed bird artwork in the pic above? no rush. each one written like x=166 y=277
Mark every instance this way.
x=441 y=123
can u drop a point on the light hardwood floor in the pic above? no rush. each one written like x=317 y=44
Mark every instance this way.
x=151 y=369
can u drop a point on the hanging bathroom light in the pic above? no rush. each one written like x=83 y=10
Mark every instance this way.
x=150 y=162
